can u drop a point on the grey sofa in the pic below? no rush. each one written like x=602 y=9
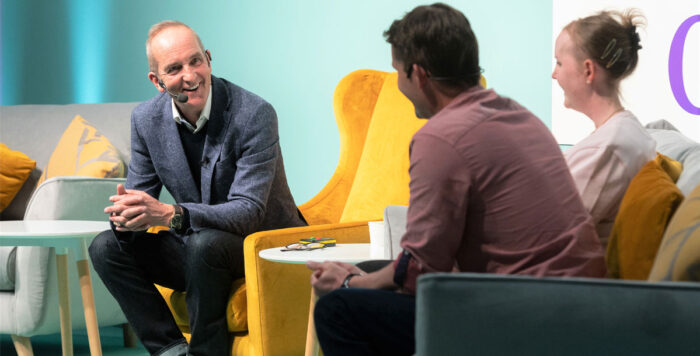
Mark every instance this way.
x=29 y=303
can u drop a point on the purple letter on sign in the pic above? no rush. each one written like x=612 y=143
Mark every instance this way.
x=675 y=66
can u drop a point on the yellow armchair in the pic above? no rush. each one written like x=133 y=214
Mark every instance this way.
x=376 y=123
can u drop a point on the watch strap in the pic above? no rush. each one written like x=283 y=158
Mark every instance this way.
x=346 y=281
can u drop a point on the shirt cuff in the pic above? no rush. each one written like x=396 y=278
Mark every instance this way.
x=186 y=227
x=406 y=271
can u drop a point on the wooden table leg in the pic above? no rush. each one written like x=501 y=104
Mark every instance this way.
x=311 y=339
x=23 y=345
x=89 y=308
x=64 y=304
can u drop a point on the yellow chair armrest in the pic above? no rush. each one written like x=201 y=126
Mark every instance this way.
x=278 y=293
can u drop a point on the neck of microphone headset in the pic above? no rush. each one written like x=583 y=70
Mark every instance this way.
x=181 y=97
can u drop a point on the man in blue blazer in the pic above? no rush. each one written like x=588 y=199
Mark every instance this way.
x=215 y=148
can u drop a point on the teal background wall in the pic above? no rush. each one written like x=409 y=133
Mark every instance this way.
x=292 y=53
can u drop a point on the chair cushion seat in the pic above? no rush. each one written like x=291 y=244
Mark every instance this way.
x=236 y=310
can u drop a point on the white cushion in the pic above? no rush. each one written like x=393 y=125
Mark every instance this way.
x=683 y=149
x=394 y=228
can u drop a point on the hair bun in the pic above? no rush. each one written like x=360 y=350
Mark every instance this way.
x=634 y=38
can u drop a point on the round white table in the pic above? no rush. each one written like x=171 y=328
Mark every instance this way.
x=348 y=253
x=63 y=235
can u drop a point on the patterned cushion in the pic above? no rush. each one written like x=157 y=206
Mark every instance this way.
x=15 y=168
x=83 y=151
x=645 y=210
x=678 y=258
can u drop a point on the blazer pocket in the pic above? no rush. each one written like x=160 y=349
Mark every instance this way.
x=224 y=173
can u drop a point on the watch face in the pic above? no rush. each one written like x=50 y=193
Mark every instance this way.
x=176 y=222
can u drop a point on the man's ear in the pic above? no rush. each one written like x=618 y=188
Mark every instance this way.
x=589 y=69
x=208 y=55
x=154 y=79
x=420 y=75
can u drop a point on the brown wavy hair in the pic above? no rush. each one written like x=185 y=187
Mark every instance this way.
x=440 y=39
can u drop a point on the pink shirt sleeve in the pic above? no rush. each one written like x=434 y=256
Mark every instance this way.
x=439 y=193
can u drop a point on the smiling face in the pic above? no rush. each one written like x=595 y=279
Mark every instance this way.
x=569 y=71
x=183 y=66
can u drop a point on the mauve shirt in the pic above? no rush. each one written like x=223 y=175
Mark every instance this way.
x=491 y=192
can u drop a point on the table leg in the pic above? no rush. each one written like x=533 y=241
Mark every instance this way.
x=64 y=304
x=89 y=308
x=23 y=345
x=311 y=340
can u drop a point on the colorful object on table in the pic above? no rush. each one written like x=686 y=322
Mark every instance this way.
x=311 y=243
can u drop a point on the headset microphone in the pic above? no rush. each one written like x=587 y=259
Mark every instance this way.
x=182 y=98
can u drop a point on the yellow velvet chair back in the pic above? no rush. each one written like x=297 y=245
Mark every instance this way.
x=376 y=123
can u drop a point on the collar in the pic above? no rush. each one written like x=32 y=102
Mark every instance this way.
x=203 y=117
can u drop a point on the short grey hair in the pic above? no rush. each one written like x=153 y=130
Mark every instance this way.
x=154 y=31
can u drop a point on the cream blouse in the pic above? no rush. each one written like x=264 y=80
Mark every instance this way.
x=604 y=163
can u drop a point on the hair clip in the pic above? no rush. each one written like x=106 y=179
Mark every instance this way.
x=609 y=48
x=614 y=58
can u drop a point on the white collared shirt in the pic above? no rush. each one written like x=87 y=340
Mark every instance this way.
x=203 y=117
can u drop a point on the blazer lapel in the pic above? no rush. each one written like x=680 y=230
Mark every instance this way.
x=180 y=183
x=216 y=132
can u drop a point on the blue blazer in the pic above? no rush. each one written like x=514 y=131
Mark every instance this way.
x=243 y=185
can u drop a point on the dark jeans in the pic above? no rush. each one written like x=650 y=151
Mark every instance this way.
x=366 y=322
x=204 y=264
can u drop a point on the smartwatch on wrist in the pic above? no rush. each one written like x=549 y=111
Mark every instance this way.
x=176 y=220
x=346 y=281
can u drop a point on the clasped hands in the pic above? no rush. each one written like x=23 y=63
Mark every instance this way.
x=134 y=210
x=328 y=276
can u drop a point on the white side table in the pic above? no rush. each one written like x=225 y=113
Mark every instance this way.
x=63 y=235
x=348 y=253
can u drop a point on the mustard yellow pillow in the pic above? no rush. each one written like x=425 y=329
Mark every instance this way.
x=382 y=173
x=671 y=167
x=15 y=168
x=645 y=210
x=678 y=258
x=83 y=151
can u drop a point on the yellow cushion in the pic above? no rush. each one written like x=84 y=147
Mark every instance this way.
x=15 y=168
x=678 y=258
x=671 y=167
x=83 y=151
x=382 y=174
x=648 y=205
x=236 y=310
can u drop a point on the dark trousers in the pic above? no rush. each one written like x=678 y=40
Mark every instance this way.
x=204 y=264
x=366 y=322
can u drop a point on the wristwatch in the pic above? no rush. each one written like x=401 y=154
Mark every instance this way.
x=347 y=279
x=176 y=220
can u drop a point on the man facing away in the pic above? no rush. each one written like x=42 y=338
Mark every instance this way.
x=489 y=192
x=215 y=147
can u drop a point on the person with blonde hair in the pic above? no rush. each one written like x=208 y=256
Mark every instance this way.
x=594 y=54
